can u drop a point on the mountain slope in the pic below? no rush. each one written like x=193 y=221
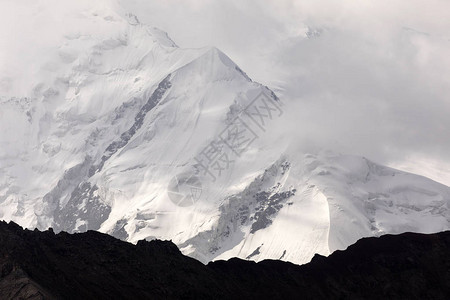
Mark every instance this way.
x=121 y=131
x=307 y=204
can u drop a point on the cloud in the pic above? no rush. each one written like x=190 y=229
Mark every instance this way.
x=379 y=91
x=373 y=80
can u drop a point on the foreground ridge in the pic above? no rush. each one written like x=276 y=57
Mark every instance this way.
x=92 y=265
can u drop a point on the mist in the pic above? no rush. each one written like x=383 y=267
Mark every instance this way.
x=368 y=78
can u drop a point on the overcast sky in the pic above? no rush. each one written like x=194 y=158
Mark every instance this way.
x=373 y=79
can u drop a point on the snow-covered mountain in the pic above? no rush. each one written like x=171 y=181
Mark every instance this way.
x=117 y=129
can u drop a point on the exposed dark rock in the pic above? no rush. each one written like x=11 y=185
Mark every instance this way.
x=284 y=253
x=125 y=137
x=256 y=252
x=92 y=265
x=268 y=206
x=65 y=186
x=119 y=231
x=84 y=207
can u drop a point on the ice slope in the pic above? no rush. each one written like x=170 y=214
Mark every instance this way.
x=338 y=200
x=114 y=127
